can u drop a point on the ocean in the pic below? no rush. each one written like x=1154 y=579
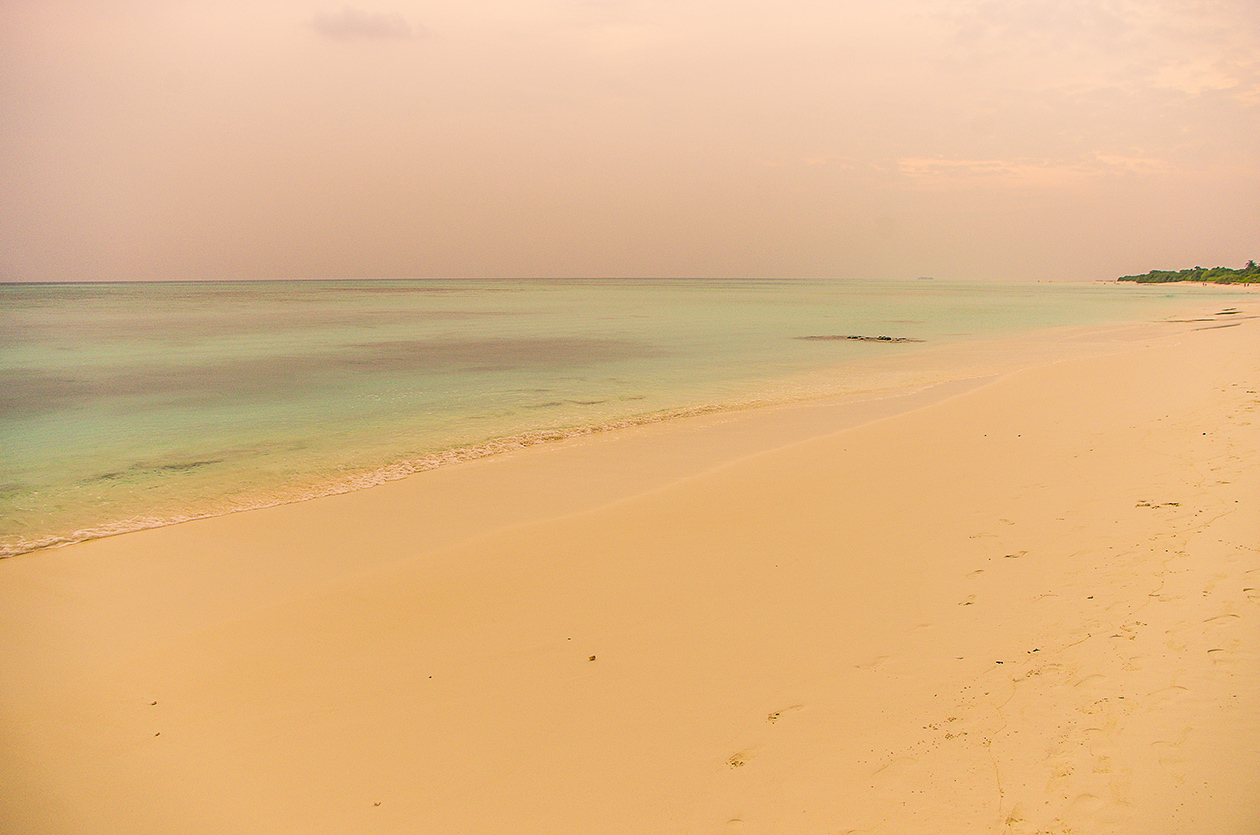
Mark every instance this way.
x=131 y=405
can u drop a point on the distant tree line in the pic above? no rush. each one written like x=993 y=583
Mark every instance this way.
x=1249 y=274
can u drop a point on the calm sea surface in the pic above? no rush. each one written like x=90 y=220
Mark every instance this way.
x=125 y=406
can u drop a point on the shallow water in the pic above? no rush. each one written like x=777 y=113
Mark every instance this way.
x=125 y=406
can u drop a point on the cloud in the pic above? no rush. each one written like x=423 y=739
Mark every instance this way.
x=1024 y=173
x=349 y=24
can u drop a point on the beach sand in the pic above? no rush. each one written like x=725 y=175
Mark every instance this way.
x=1020 y=604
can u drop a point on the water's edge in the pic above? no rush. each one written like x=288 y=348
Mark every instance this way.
x=901 y=371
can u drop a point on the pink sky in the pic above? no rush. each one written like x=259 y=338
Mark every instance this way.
x=994 y=139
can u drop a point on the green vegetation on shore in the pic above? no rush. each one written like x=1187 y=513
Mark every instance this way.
x=1249 y=274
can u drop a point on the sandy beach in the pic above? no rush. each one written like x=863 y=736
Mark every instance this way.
x=1027 y=602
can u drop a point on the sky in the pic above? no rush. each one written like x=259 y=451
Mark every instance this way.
x=974 y=139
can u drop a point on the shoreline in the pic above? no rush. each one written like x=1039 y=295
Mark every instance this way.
x=869 y=378
x=1012 y=603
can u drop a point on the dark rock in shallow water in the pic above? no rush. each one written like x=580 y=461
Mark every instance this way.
x=865 y=338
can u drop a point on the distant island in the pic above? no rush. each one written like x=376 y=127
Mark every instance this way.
x=1249 y=274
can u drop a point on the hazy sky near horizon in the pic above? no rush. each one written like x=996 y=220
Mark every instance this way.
x=973 y=139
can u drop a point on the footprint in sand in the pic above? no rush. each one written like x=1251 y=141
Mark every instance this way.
x=897 y=770
x=874 y=663
x=779 y=714
x=1169 y=695
x=1086 y=807
x=1221 y=655
x=1061 y=769
x=1169 y=754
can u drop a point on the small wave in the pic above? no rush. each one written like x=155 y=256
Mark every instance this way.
x=13 y=546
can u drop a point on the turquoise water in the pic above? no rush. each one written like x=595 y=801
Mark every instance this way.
x=125 y=406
